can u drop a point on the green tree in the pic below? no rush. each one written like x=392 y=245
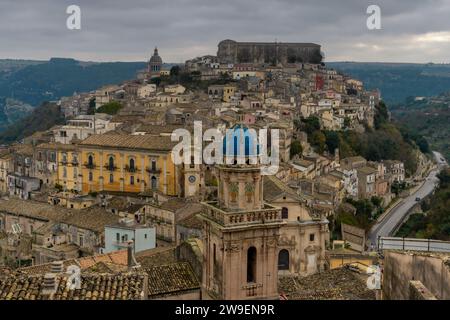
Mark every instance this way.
x=296 y=148
x=332 y=141
x=175 y=71
x=318 y=140
x=110 y=108
x=311 y=124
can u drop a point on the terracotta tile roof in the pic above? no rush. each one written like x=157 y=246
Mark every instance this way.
x=93 y=218
x=56 y=146
x=119 y=258
x=173 y=204
x=274 y=187
x=126 y=286
x=156 y=256
x=171 y=278
x=143 y=142
x=335 y=284
x=191 y=222
x=158 y=130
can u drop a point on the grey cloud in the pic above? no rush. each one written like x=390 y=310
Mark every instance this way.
x=128 y=30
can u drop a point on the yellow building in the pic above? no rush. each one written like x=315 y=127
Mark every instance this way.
x=69 y=168
x=128 y=163
x=228 y=92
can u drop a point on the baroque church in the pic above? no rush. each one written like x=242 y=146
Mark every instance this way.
x=249 y=241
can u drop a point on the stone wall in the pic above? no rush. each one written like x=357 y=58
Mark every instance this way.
x=268 y=52
x=431 y=269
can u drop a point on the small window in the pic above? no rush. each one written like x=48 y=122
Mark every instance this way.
x=117 y=237
x=311 y=237
x=132 y=180
x=90 y=176
x=284 y=213
x=145 y=236
x=111 y=178
x=251 y=264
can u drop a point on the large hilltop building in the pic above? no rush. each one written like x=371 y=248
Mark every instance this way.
x=231 y=51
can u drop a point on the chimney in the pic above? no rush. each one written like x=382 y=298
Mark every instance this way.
x=49 y=284
x=131 y=260
x=57 y=267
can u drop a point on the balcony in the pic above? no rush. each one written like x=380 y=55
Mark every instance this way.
x=266 y=215
x=153 y=170
x=252 y=289
x=90 y=165
x=109 y=168
x=131 y=170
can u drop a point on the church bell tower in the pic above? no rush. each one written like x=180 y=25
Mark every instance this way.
x=240 y=234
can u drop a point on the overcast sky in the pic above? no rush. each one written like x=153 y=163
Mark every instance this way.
x=128 y=30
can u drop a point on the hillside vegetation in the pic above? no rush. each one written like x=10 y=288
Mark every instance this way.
x=33 y=82
x=429 y=118
x=397 y=81
x=42 y=118
x=386 y=141
x=435 y=223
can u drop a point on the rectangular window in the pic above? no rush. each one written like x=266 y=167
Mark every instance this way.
x=81 y=241
x=311 y=237
x=118 y=237
x=132 y=180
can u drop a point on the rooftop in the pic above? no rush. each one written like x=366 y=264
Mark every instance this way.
x=171 y=279
x=335 y=284
x=126 y=286
x=142 y=142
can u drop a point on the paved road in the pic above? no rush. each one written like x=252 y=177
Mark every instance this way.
x=386 y=227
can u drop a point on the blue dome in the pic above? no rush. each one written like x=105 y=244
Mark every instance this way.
x=237 y=137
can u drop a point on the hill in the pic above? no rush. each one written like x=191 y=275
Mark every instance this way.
x=33 y=82
x=40 y=119
x=427 y=117
x=397 y=81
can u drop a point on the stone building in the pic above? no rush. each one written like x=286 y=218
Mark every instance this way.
x=231 y=51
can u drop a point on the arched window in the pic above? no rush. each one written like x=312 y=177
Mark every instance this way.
x=90 y=160
x=284 y=213
x=251 y=264
x=132 y=164
x=154 y=182
x=111 y=163
x=283 y=260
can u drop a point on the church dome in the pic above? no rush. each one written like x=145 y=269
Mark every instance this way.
x=240 y=141
x=155 y=59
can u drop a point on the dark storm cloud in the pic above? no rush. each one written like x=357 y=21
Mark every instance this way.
x=128 y=30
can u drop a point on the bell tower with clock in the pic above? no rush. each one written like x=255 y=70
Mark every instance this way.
x=193 y=180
